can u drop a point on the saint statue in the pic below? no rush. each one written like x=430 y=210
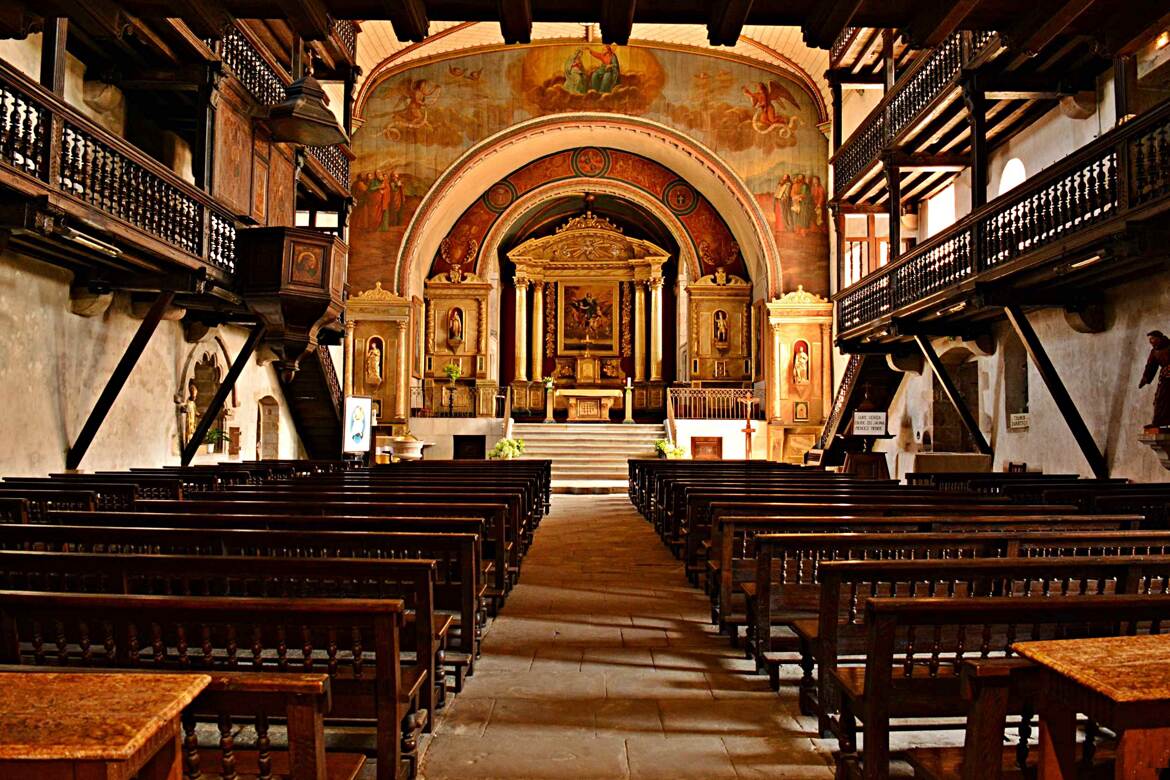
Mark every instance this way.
x=1158 y=365
x=720 y=326
x=455 y=327
x=373 y=363
x=190 y=411
x=800 y=364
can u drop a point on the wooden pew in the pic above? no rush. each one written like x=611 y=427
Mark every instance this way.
x=13 y=509
x=409 y=581
x=231 y=698
x=787 y=585
x=107 y=495
x=913 y=647
x=355 y=641
x=458 y=587
x=40 y=501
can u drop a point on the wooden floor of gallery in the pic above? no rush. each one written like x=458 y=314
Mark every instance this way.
x=604 y=664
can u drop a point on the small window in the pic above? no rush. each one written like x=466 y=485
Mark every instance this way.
x=1013 y=175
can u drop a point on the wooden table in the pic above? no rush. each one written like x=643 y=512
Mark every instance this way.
x=1119 y=682
x=80 y=726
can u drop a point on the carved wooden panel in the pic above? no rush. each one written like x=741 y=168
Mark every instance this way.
x=232 y=179
x=707 y=447
x=282 y=205
x=260 y=181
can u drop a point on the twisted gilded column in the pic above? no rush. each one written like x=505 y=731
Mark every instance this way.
x=656 y=330
x=775 y=372
x=521 y=334
x=537 y=330
x=639 y=332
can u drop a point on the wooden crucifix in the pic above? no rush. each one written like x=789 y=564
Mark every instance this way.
x=747 y=400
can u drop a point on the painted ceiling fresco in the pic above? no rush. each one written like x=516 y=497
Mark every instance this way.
x=762 y=124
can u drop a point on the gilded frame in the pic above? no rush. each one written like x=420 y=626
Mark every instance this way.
x=608 y=348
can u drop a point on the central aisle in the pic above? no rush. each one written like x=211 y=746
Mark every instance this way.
x=604 y=664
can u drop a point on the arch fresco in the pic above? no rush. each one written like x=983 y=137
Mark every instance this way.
x=710 y=239
x=760 y=123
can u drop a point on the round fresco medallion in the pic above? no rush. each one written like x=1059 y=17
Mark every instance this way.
x=499 y=196
x=680 y=197
x=590 y=161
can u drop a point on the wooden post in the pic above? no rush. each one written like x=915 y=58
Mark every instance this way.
x=838 y=121
x=1068 y=409
x=118 y=379
x=974 y=97
x=894 y=187
x=221 y=393
x=944 y=379
x=53 y=55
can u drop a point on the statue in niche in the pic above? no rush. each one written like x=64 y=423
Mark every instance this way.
x=1158 y=365
x=374 y=362
x=455 y=328
x=190 y=411
x=720 y=328
x=800 y=363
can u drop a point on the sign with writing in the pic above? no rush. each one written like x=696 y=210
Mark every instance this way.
x=869 y=423
x=1018 y=422
x=359 y=422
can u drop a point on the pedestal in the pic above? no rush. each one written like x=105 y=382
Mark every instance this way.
x=548 y=405
x=1159 y=442
x=629 y=401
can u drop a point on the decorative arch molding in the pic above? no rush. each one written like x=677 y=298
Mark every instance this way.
x=497 y=156
x=398 y=63
x=489 y=253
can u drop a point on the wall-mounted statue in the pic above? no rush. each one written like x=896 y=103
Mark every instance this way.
x=1158 y=364
x=190 y=411
x=455 y=328
x=374 y=354
x=800 y=363
x=719 y=324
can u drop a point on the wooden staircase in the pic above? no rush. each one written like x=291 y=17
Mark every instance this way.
x=314 y=400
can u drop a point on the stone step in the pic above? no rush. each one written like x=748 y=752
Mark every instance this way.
x=587 y=429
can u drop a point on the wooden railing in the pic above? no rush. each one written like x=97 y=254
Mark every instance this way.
x=841 y=45
x=1069 y=199
x=710 y=403
x=329 y=372
x=927 y=79
x=841 y=400
x=49 y=141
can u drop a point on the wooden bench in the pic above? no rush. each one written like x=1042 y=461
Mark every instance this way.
x=355 y=641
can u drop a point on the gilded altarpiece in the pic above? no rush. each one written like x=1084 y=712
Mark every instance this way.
x=799 y=365
x=588 y=274
x=457 y=334
x=720 y=329
x=377 y=352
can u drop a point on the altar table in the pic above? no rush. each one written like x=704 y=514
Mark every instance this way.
x=589 y=404
x=112 y=726
x=1122 y=683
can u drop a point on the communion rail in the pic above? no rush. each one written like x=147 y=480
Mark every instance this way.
x=710 y=403
x=1120 y=178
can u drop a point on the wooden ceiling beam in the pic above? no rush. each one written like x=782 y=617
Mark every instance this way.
x=1038 y=29
x=18 y=23
x=408 y=18
x=828 y=20
x=206 y=18
x=617 y=21
x=726 y=21
x=936 y=21
x=515 y=20
x=309 y=18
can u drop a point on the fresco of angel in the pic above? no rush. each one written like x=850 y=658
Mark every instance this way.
x=766 y=116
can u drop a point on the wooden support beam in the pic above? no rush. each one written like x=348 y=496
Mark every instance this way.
x=726 y=21
x=206 y=18
x=827 y=21
x=221 y=393
x=53 y=55
x=408 y=18
x=617 y=21
x=515 y=20
x=1039 y=27
x=118 y=379
x=976 y=101
x=1064 y=402
x=849 y=78
x=308 y=18
x=889 y=62
x=202 y=153
x=894 y=207
x=1125 y=88
x=838 y=120
x=952 y=392
x=929 y=162
x=936 y=21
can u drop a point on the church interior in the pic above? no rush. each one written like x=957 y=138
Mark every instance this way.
x=539 y=389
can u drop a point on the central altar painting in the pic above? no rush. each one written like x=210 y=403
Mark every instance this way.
x=586 y=317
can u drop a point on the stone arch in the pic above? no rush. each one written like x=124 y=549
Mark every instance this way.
x=495 y=157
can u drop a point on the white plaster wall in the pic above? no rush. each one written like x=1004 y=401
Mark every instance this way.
x=1101 y=372
x=855 y=106
x=56 y=363
x=441 y=432
x=731 y=431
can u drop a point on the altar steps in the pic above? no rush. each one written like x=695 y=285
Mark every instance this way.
x=588 y=457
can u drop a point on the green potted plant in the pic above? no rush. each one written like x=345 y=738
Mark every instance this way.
x=507 y=449
x=214 y=438
x=666 y=449
x=549 y=382
x=453 y=372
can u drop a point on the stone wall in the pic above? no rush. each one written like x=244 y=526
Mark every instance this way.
x=56 y=363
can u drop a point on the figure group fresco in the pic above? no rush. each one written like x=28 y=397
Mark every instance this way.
x=762 y=123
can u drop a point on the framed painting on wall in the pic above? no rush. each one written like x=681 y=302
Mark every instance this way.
x=585 y=322
x=359 y=424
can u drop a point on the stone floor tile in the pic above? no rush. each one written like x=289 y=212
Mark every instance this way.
x=531 y=758
x=627 y=717
x=700 y=758
x=777 y=757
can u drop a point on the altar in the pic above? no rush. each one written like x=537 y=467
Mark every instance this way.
x=589 y=404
